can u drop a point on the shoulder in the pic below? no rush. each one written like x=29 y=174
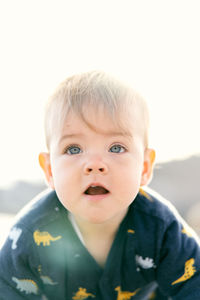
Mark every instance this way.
x=36 y=224
x=151 y=212
x=34 y=238
x=152 y=205
x=40 y=211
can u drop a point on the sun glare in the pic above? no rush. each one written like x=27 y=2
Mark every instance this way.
x=146 y=43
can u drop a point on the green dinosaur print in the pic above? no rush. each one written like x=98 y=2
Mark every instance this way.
x=14 y=235
x=47 y=280
x=26 y=285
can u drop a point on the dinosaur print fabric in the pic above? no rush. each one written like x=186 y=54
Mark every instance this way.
x=44 y=238
x=153 y=256
x=26 y=285
x=14 y=235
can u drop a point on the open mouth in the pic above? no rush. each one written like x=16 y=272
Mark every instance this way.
x=96 y=190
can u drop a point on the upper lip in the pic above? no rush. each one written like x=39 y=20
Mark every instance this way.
x=96 y=184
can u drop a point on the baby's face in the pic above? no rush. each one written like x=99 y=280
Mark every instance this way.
x=97 y=174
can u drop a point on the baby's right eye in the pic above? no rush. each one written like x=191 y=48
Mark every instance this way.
x=73 y=150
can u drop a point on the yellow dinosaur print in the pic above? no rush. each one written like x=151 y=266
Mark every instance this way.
x=122 y=295
x=39 y=268
x=143 y=193
x=44 y=238
x=82 y=294
x=131 y=231
x=189 y=271
x=152 y=296
x=187 y=232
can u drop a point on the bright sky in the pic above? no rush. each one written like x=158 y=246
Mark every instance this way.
x=154 y=45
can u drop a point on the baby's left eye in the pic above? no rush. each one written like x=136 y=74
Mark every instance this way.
x=117 y=149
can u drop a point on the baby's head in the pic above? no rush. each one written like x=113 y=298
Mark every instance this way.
x=101 y=94
x=97 y=139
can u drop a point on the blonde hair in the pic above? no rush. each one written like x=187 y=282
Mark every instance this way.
x=98 y=90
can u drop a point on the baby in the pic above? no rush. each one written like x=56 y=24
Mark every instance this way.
x=97 y=233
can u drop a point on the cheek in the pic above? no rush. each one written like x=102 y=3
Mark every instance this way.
x=63 y=175
x=132 y=166
x=129 y=176
x=65 y=182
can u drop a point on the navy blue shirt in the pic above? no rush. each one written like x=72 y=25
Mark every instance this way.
x=153 y=256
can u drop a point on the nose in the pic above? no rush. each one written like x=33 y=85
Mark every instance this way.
x=95 y=166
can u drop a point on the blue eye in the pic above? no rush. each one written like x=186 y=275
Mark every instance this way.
x=73 y=150
x=117 y=149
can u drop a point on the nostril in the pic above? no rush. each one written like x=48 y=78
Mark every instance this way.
x=89 y=170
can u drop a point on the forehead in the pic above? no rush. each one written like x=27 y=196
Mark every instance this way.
x=74 y=125
x=125 y=120
x=99 y=121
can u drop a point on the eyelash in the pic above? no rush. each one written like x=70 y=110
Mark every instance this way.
x=118 y=145
x=67 y=150
x=71 y=147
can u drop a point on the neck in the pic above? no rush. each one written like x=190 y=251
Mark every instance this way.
x=107 y=228
x=98 y=238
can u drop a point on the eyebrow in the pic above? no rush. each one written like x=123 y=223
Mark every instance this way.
x=68 y=136
x=109 y=133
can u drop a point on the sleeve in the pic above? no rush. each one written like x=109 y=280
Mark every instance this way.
x=18 y=267
x=178 y=271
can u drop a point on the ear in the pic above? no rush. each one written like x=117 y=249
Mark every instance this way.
x=45 y=164
x=149 y=158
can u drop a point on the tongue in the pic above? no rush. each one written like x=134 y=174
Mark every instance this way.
x=97 y=190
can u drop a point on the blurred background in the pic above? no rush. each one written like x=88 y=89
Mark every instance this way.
x=153 y=45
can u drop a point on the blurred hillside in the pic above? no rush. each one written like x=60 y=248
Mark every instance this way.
x=18 y=194
x=177 y=181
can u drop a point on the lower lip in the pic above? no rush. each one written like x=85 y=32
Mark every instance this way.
x=96 y=197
